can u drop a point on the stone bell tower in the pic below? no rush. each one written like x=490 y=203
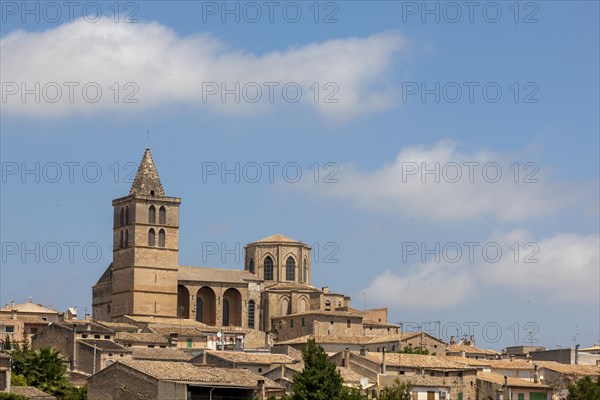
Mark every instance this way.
x=145 y=242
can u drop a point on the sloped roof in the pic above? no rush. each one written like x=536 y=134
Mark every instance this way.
x=277 y=238
x=457 y=348
x=31 y=392
x=29 y=307
x=496 y=364
x=28 y=319
x=206 y=274
x=512 y=382
x=284 y=286
x=105 y=278
x=157 y=353
x=104 y=345
x=147 y=338
x=185 y=372
x=146 y=178
x=416 y=361
x=252 y=358
x=570 y=369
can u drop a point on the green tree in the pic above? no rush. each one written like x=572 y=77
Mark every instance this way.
x=400 y=391
x=320 y=379
x=18 y=380
x=7 y=344
x=414 y=350
x=585 y=389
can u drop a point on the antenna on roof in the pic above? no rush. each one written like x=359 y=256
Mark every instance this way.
x=147 y=138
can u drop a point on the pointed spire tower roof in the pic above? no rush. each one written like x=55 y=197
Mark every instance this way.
x=147 y=181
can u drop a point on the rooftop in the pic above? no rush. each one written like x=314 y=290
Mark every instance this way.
x=278 y=238
x=156 y=353
x=252 y=358
x=416 y=361
x=512 y=382
x=208 y=274
x=31 y=392
x=28 y=307
x=104 y=345
x=146 y=178
x=148 y=338
x=469 y=349
x=185 y=372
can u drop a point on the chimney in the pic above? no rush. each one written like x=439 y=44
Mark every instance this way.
x=472 y=340
x=506 y=381
x=325 y=289
x=463 y=354
x=12 y=303
x=512 y=357
x=87 y=316
x=383 y=366
x=452 y=340
x=347 y=358
x=363 y=352
x=13 y=313
x=536 y=376
x=261 y=389
x=88 y=327
x=577 y=354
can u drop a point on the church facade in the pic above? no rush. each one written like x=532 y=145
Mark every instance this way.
x=146 y=280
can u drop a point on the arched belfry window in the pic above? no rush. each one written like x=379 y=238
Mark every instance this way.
x=161 y=238
x=251 y=307
x=290 y=269
x=151 y=237
x=268 y=269
x=126 y=238
x=127 y=215
x=328 y=305
x=121 y=243
x=305 y=271
x=152 y=215
x=251 y=265
x=162 y=215
x=122 y=217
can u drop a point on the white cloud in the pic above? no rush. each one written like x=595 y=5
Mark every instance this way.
x=567 y=270
x=170 y=69
x=564 y=267
x=404 y=187
x=427 y=286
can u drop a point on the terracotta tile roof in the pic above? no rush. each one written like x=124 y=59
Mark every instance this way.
x=350 y=376
x=569 y=369
x=185 y=372
x=512 y=382
x=252 y=358
x=458 y=348
x=207 y=274
x=119 y=326
x=321 y=312
x=343 y=339
x=496 y=364
x=156 y=353
x=416 y=361
x=147 y=178
x=148 y=338
x=29 y=319
x=185 y=331
x=104 y=345
x=277 y=238
x=81 y=326
x=31 y=392
x=29 y=307
x=372 y=322
x=275 y=286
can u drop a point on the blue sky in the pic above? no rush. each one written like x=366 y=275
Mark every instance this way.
x=409 y=93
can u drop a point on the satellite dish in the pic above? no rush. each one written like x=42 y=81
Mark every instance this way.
x=219 y=334
x=364 y=382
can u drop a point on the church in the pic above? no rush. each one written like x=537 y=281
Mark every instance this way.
x=146 y=280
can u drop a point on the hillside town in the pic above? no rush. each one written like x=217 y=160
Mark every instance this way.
x=160 y=330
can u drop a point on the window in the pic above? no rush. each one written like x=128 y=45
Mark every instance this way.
x=290 y=269
x=9 y=329
x=126 y=238
x=537 y=396
x=260 y=370
x=162 y=215
x=291 y=323
x=127 y=215
x=327 y=305
x=251 y=265
x=189 y=343
x=251 y=314
x=460 y=396
x=152 y=193
x=521 y=396
x=302 y=321
x=84 y=335
x=161 y=238
x=305 y=272
x=121 y=242
x=96 y=336
x=199 y=309
x=348 y=323
x=107 y=337
x=268 y=269
x=152 y=215
x=151 y=237
x=122 y=217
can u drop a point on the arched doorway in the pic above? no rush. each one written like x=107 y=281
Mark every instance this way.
x=232 y=308
x=183 y=302
x=206 y=309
